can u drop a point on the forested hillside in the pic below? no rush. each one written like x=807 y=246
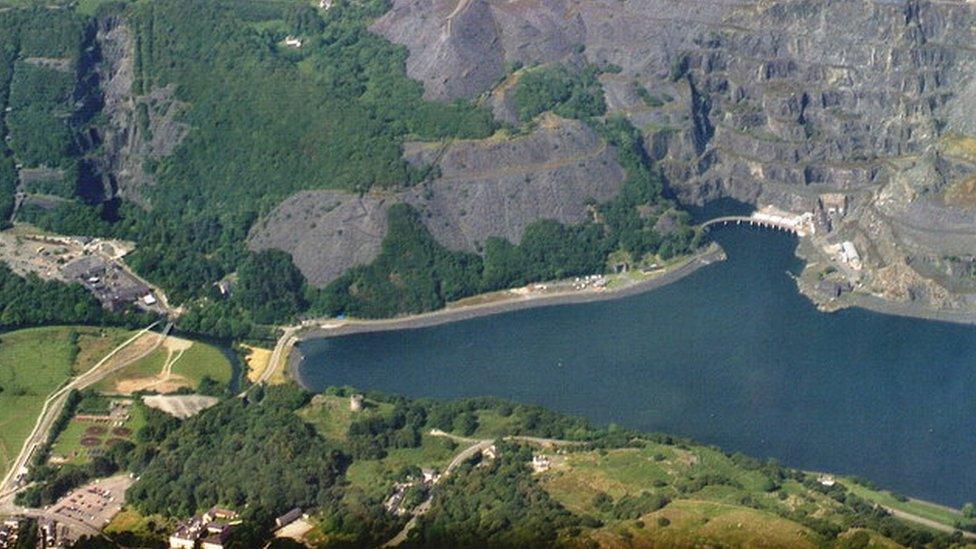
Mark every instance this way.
x=577 y=483
x=232 y=120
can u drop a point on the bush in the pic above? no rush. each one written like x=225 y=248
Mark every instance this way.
x=556 y=89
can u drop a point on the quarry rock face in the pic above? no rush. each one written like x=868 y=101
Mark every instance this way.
x=771 y=102
x=486 y=187
x=126 y=141
x=326 y=232
x=499 y=187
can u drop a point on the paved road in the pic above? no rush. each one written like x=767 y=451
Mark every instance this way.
x=547 y=441
x=52 y=409
x=466 y=454
x=278 y=356
x=928 y=522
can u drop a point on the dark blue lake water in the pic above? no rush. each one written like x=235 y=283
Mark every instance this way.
x=731 y=355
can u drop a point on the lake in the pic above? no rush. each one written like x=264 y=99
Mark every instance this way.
x=732 y=355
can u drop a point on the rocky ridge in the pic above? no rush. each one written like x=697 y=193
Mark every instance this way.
x=769 y=101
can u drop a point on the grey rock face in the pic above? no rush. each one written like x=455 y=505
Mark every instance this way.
x=489 y=187
x=807 y=93
x=497 y=188
x=772 y=101
x=127 y=140
x=326 y=232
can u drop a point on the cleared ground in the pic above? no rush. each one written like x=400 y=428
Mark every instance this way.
x=181 y=406
x=167 y=366
x=258 y=360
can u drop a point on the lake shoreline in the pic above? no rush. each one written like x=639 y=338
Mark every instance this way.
x=732 y=356
x=708 y=256
x=712 y=254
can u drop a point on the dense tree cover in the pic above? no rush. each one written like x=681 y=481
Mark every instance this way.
x=38 y=128
x=413 y=273
x=32 y=302
x=40 y=103
x=27 y=534
x=496 y=505
x=271 y=287
x=257 y=456
x=570 y=94
x=8 y=173
x=8 y=188
x=269 y=121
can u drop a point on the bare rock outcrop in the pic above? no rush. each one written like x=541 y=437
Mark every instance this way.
x=326 y=232
x=497 y=187
x=769 y=101
x=488 y=187
x=138 y=128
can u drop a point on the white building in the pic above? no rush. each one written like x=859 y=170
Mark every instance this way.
x=849 y=255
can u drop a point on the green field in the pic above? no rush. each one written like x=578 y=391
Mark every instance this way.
x=190 y=362
x=735 y=506
x=203 y=360
x=33 y=364
x=68 y=444
x=331 y=417
x=95 y=343
x=709 y=524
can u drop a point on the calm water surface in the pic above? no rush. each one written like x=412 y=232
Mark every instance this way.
x=731 y=355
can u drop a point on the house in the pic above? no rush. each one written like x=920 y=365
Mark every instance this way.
x=849 y=255
x=149 y=299
x=186 y=534
x=833 y=289
x=293 y=42
x=216 y=536
x=288 y=518
x=540 y=463
x=834 y=203
x=219 y=513
x=430 y=476
x=205 y=529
